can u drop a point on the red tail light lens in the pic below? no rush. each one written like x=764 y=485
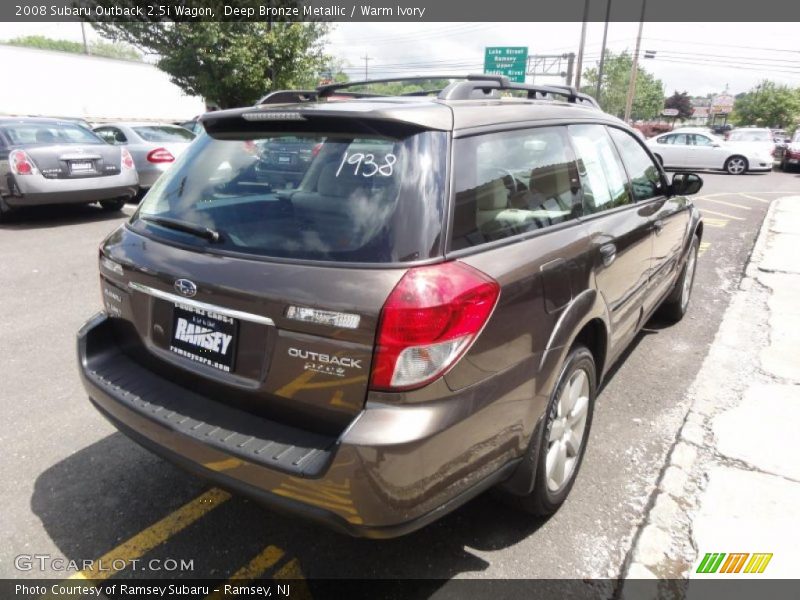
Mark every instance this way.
x=127 y=159
x=21 y=163
x=160 y=155
x=428 y=322
x=316 y=148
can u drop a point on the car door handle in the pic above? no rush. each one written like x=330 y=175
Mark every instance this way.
x=609 y=253
x=658 y=226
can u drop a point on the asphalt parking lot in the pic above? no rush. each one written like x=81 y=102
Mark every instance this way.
x=75 y=488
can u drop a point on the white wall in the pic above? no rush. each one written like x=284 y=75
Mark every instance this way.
x=42 y=82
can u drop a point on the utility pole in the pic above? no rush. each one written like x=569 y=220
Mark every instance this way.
x=634 y=67
x=583 y=43
x=83 y=32
x=603 y=52
x=366 y=59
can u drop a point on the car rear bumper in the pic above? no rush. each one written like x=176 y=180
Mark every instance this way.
x=35 y=190
x=350 y=482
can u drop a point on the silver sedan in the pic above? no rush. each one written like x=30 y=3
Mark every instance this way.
x=153 y=146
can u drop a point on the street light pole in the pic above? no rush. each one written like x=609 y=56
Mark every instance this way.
x=603 y=52
x=579 y=66
x=634 y=67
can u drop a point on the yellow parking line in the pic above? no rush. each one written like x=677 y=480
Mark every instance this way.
x=291 y=572
x=703 y=247
x=712 y=222
x=749 y=197
x=114 y=561
x=265 y=559
x=742 y=206
x=719 y=214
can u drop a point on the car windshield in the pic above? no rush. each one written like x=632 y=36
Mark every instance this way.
x=29 y=133
x=750 y=136
x=164 y=134
x=341 y=198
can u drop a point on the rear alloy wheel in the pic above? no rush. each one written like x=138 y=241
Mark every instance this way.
x=113 y=205
x=736 y=165
x=677 y=303
x=563 y=442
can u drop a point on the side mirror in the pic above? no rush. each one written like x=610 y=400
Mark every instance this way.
x=686 y=184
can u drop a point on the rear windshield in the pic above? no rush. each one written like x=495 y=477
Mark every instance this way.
x=341 y=198
x=161 y=133
x=750 y=136
x=48 y=133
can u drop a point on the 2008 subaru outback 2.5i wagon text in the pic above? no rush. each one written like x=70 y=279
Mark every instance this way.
x=425 y=312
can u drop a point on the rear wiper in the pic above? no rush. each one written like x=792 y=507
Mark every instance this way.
x=198 y=230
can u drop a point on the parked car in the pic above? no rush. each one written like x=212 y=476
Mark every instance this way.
x=791 y=155
x=194 y=125
x=48 y=161
x=153 y=146
x=759 y=139
x=689 y=148
x=429 y=314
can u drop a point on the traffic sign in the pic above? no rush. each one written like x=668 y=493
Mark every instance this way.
x=511 y=61
x=670 y=112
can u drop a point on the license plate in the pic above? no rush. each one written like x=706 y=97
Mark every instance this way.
x=204 y=337
x=794 y=161
x=81 y=166
x=285 y=159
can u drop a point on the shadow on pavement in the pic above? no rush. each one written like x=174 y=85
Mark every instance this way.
x=108 y=492
x=42 y=217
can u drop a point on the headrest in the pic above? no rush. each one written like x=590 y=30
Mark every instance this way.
x=329 y=184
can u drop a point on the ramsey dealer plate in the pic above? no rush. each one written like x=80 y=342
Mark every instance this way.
x=205 y=337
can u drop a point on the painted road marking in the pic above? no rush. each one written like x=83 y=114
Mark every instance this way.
x=742 y=206
x=155 y=535
x=263 y=561
x=748 y=196
x=712 y=222
x=719 y=214
x=703 y=247
x=291 y=572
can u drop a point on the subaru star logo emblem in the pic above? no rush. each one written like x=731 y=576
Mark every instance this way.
x=185 y=287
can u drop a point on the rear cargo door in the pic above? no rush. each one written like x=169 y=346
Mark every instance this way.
x=70 y=161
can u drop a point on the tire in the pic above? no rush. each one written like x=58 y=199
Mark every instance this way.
x=551 y=490
x=113 y=205
x=736 y=165
x=676 y=304
x=5 y=210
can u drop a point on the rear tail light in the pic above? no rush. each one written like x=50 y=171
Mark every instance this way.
x=127 y=159
x=428 y=322
x=160 y=155
x=21 y=163
x=315 y=150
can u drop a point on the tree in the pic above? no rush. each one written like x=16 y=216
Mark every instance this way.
x=681 y=102
x=97 y=48
x=228 y=63
x=648 y=100
x=769 y=105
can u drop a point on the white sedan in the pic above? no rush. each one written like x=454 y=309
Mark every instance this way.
x=698 y=149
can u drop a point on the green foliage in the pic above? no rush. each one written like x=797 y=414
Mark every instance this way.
x=648 y=100
x=97 y=48
x=230 y=63
x=682 y=102
x=768 y=105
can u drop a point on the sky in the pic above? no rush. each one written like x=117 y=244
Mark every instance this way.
x=701 y=58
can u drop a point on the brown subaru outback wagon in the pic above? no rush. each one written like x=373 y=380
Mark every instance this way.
x=366 y=310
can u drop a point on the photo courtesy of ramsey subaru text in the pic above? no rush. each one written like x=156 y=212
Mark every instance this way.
x=408 y=299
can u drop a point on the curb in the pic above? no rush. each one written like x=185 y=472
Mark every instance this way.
x=663 y=546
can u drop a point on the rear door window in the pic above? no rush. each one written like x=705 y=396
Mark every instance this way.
x=511 y=183
x=339 y=198
x=602 y=175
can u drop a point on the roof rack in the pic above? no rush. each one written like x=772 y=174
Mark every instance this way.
x=465 y=88
x=485 y=84
x=288 y=97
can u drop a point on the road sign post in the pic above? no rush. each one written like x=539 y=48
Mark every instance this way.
x=511 y=61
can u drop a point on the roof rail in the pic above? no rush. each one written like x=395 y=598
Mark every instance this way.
x=464 y=90
x=329 y=89
x=288 y=96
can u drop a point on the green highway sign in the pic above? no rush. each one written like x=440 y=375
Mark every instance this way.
x=511 y=61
